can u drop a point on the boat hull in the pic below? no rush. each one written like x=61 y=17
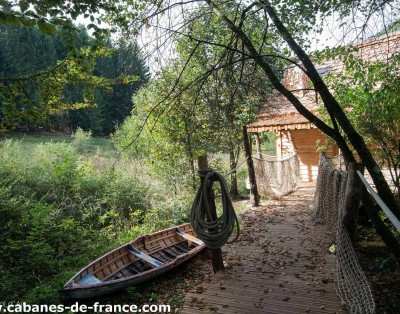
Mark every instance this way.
x=74 y=291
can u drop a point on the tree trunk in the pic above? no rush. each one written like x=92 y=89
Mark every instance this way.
x=254 y=196
x=372 y=210
x=352 y=200
x=335 y=111
x=189 y=150
x=270 y=72
x=233 y=163
x=338 y=115
x=192 y=170
x=215 y=254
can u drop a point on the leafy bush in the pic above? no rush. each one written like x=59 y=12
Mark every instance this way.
x=59 y=211
x=81 y=138
x=369 y=94
x=40 y=250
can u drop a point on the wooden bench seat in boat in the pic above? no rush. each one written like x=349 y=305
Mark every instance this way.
x=137 y=261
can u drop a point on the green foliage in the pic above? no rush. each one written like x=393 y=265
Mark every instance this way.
x=391 y=28
x=45 y=84
x=55 y=173
x=368 y=92
x=167 y=142
x=35 y=71
x=127 y=71
x=40 y=247
x=59 y=211
x=81 y=138
x=179 y=116
x=268 y=141
x=48 y=15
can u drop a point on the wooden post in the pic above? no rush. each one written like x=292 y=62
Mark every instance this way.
x=232 y=167
x=352 y=200
x=216 y=254
x=254 y=196
x=258 y=145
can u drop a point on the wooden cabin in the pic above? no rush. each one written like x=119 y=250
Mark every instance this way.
x=295 y=134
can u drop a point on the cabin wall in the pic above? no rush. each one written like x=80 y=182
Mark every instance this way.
x=304 y=143
x=284 y=144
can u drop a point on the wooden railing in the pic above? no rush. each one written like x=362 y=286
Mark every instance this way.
x=389 y=214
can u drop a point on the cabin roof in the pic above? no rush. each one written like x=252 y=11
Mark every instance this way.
x=277 y=113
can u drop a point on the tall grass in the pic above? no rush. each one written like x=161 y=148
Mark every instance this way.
x=60 y=209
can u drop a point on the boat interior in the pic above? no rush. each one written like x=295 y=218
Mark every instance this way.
x=143 y=254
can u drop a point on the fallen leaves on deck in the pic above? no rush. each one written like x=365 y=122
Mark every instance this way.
x=280 y=264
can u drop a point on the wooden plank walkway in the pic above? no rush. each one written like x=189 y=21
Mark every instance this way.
x=280 y=264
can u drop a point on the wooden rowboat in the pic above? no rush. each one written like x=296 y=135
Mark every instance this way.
x=135 y=262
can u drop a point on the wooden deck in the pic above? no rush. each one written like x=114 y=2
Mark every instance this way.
x=280 y=264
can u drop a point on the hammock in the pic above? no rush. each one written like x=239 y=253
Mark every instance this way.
x=276 y=177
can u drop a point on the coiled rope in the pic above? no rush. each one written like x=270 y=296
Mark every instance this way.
x=213 y=231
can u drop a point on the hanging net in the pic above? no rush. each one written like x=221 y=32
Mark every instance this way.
x=351 y=282
x=276 y=177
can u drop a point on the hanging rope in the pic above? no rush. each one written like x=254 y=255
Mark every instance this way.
x=213 y=231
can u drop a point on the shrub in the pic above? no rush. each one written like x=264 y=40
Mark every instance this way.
x=81 y=139
x=40 y=250
x=58 y=211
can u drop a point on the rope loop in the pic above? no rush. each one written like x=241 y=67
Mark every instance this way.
x=212 y=230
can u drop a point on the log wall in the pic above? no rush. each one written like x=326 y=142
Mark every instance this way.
x=305 y=143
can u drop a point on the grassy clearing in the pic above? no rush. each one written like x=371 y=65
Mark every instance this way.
x=91 y=146
x=66 y=200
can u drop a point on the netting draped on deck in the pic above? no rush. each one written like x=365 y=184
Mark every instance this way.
x=352 y=285
x=276 y=177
